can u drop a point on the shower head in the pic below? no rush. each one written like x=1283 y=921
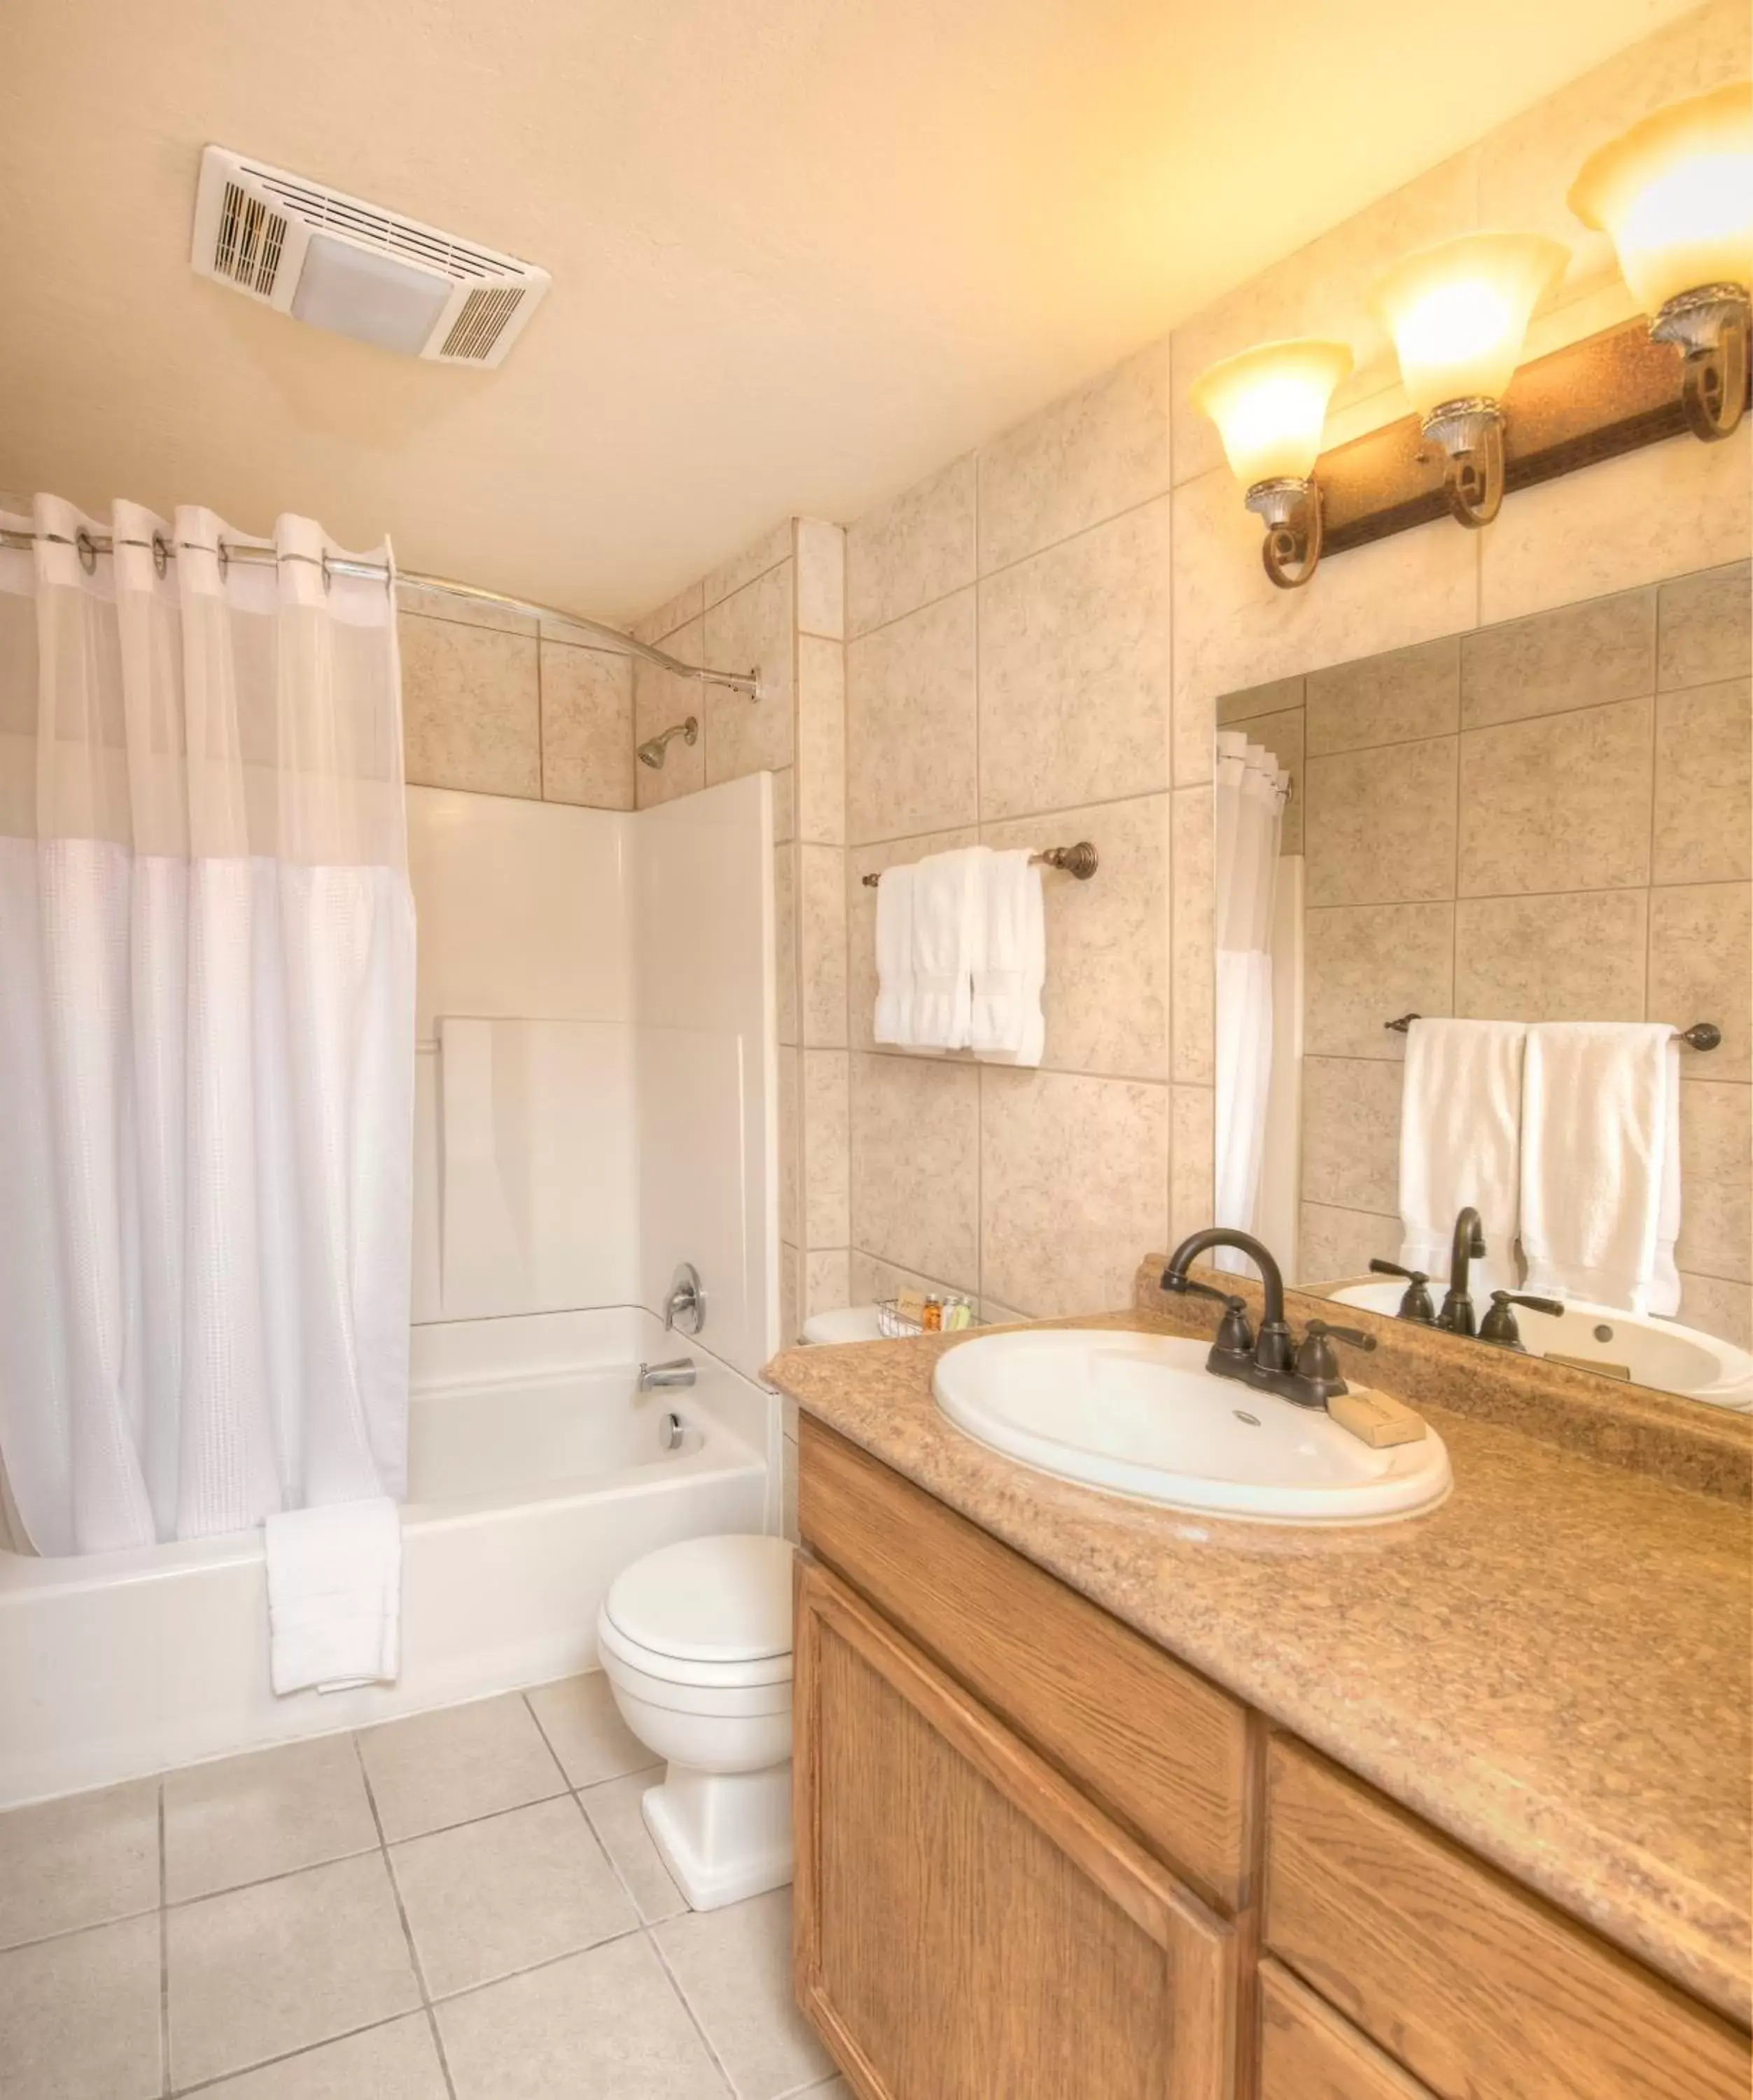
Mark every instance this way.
x=652 y=751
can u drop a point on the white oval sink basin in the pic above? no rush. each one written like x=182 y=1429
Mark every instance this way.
x=1139 y=1414
x=1656 y=1353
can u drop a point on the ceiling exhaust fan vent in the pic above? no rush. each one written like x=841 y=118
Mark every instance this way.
x=252 y=238
x=340 y=263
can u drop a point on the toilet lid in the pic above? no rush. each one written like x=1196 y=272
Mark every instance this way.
x=845 y=1323
x=724 y=1600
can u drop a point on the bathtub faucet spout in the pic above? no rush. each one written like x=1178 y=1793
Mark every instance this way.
x=664 y=1378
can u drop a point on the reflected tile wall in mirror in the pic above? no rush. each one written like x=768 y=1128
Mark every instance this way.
x=1547 y=819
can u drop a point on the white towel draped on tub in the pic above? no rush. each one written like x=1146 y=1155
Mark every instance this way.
x=334 y=1595
x=1007 y=1026
x=1460 y=1144
x=1600 y=1163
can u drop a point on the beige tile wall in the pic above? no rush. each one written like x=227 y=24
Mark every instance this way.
x=1008 y=677
x=1037 y=638
x=1550 y=818
x=498 y=702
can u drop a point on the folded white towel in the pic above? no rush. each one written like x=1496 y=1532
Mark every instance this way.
x=1460 y=1144
x=949 y=941
x=894 y=1022
x=1006 y=1024
x=334 y=1595
x=1600 y=1163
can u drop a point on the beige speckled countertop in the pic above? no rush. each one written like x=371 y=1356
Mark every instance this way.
x=1553 y=1666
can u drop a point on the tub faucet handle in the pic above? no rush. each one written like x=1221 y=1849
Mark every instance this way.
x=686 y=1306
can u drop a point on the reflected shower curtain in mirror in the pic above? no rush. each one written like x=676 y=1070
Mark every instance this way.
x=1251 y=795
x=206 y=1031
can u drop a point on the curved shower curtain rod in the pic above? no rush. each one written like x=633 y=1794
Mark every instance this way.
x=608 y=641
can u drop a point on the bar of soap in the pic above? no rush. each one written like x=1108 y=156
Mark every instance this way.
x=1375 y=1419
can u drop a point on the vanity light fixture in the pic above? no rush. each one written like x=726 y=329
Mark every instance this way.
x=1458 y=314
x=1269 y=405
x=1675 y=195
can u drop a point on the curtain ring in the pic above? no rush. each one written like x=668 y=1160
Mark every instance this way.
x=160 y=555
x=327 y=579
x=87 y=547
x=224 y=555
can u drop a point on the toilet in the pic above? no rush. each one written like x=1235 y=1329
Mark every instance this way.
x=696 y=1643
x=845 y=1323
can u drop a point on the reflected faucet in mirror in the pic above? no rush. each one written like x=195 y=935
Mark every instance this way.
x=1468 y=1246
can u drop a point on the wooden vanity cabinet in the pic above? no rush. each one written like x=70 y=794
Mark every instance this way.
x=1038 y=1859
x=965 y=1922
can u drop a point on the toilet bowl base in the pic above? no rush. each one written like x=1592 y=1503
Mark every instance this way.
x=724 y=1836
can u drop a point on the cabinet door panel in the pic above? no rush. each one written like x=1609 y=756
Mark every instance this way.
x=966 y=1924
x=1164 y=1752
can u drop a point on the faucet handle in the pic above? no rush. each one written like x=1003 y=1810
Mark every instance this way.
x=1499 y=1324
x=1355 y=1337
x=1186 y=1287
x=1416 y=1300
x=1235 y=1333
x=1315 y=1359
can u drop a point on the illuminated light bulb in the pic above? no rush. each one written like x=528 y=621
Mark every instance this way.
x=1269 y=405
x=1675 y=195
x=1458 y=315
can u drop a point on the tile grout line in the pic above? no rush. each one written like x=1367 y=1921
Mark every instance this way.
x=407 y=1930
x=674 y=1982
x=292 y=2055
x=979 y=823
x=646 y=1928
x=979 y=576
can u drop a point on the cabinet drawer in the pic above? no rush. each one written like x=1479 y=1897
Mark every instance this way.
x=1481 y=1990
x=1307 y=2052
x=1162 y=1750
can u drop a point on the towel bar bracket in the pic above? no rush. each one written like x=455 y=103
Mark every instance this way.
x=1702 y=1035
x=1080 y=862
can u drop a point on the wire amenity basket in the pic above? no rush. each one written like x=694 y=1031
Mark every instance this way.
x=895 y=1324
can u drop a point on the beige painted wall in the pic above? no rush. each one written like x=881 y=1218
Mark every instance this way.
x=1036 y=637
x=1549 y=819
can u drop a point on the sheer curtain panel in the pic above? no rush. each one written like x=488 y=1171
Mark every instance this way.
x=206 y=1029
x=1251 y=795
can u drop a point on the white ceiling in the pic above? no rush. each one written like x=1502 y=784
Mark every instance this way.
x=803 y=250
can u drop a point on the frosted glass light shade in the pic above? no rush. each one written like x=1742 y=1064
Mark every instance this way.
x=1269 y=405
x=1458 y=313
x=1675 y=194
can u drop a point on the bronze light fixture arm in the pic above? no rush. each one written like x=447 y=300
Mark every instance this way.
x=1710 y=326
x=1470 y=433
x=1292 y=510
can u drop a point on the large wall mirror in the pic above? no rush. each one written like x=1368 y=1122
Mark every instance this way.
x=1537 y=838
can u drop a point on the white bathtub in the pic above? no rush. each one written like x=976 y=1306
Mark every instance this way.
x=536 y=1474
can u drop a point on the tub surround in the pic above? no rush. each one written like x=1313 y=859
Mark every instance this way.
x=1551 y=1668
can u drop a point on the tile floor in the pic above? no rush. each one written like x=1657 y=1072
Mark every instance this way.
x=462 y=1906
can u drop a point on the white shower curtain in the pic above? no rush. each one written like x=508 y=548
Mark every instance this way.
x=1251 y=795
x=206 y=1029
